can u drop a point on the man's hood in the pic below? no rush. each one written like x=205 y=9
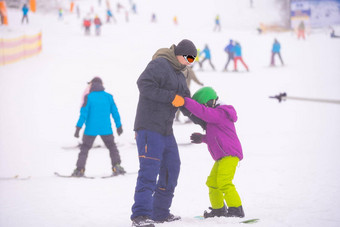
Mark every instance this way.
x=169 y=54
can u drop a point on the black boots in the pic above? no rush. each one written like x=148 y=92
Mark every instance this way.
x=222 y=212
x=118 y=170
x=225 y=212
x=148 y=222
x=142 y=221
x=235 y=212
x=78 y=172
x=170 y=218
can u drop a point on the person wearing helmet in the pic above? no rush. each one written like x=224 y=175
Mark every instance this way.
x=224 y=147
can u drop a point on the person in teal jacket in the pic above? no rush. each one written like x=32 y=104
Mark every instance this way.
x=207 y=56
x=276 y=50
x=25 y=11
x=95 y=113
x=238 y=56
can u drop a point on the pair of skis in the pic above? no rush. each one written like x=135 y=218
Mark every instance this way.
x=16 y=177
x=89 y=177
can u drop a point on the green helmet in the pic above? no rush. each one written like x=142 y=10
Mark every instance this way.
x=204 y=94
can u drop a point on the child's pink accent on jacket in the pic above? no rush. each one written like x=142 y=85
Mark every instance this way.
x=221 y=136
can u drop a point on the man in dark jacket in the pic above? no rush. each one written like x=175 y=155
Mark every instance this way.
x=162 y=86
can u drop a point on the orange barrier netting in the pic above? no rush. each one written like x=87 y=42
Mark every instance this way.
x=16 y=49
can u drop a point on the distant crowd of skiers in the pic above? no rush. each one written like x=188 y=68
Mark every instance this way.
x=234 y=53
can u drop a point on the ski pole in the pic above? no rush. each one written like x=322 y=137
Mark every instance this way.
x=284 y=97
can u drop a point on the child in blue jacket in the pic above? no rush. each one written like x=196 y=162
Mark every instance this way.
x=96 y=114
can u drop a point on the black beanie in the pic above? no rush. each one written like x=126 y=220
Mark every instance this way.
x=186 y=47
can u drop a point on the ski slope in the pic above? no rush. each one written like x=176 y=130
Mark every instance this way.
x=289 y=175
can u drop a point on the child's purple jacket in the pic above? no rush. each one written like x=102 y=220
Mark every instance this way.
x=221 y=136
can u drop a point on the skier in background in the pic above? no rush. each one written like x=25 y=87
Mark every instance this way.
x=119 y=7
x=78 y=11
x=229 y=49
x=126 y=16
x=224 y=147
x=109 y=15
x=217 y=23
x=238 y=56
x=153 y=18
x=175 y=20
x=87 y=25
x=60 y=13
x=333 y=34
x=276 y=50
x=98 y=24
x=95 y=113
x=134 y=8
x=25 y=11
x=207 y=56
x=301 y=30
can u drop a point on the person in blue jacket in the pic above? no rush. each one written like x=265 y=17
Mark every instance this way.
x=95 y=113
x=229 y=50
x=25 y=10
x=238 y=56
x=207 y=56
x=276 y=50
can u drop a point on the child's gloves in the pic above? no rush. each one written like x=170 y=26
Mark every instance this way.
x=76 y=134
x=119 y=130
x=196 y=137
x=178 y=101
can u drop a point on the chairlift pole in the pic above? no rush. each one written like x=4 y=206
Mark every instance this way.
x=284 y=97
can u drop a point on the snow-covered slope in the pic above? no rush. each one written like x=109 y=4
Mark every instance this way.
x=289 y=175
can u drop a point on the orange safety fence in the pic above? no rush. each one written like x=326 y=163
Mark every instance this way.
x=16 y=49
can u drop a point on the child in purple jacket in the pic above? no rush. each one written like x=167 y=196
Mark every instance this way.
x=224 y=147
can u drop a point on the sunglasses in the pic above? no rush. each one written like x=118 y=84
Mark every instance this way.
x=189 y=58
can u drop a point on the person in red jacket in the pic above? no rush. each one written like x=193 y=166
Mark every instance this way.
x=87 y=25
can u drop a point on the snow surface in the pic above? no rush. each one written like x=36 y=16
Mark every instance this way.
x=290 y=172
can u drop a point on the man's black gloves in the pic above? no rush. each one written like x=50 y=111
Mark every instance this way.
x=76 y=134
x=196 y=137
x=119 y=130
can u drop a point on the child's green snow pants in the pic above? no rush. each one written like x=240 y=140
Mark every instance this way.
x=220 y=183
